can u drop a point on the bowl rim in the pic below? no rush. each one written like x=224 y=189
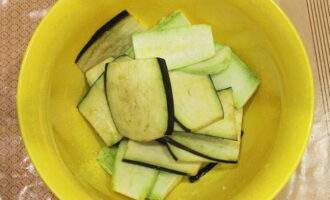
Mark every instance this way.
x=67 y=194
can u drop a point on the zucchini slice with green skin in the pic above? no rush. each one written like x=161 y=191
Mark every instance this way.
x=106 y=158
x=95 y=72
x=214 y=65
x=130 y=180
x=209 y=147
x=130 y=52
x=111 y=40
x=226 y=127
x=196 y=102
x=140 y=98
x=240 y=78
x=123 y=58
x=165 y=181
x=186 y=156
x=94 y=108
x=156 y=155
x=192 y=44
x=164 y=184
x=174 y=20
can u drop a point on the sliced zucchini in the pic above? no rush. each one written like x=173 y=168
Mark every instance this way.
x=204 y=170
x=130 y=180
x=111 y=40
x=186 y=156
x=212 y=148
x=95 y=72
x=130 y=52
x=214 y=65
x=140 y=98
x=237 y=76
x=192 y=44
x=164 y=184
x=94 y=108
x=174 y=20
x=226 y=127
x=156 y=155
x=196 y=102
x=106 y=158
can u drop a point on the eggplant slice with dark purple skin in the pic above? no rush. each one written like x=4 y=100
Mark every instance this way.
x=111 y=40
x=140 y=98
x=204 y=170
x=209 y=147
x=196 y=102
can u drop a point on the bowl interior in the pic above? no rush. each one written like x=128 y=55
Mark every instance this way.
x=63 y=146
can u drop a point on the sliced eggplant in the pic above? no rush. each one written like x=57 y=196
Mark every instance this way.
x=196 y=102
x=204 y=170
x=94 y=108
x=95 y=72
x=209 y=147
x=177 y=127
x=186 y=156
x=111 y=40
x=132 y=180
x=239 y=122
x=140 y=98
x=155 y=155
x=226 y=127
x=192 y=44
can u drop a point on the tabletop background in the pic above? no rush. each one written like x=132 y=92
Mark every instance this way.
x=18 y=178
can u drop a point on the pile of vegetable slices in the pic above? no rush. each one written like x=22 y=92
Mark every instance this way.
x=167 y=101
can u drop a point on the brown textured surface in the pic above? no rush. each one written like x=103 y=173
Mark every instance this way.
x=18 y=20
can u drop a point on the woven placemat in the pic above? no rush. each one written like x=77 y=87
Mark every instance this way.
x=19 y=180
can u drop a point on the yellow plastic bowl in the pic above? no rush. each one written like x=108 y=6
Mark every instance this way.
x=277 y=121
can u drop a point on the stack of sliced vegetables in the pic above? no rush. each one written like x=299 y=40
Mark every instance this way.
x=168 y=102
